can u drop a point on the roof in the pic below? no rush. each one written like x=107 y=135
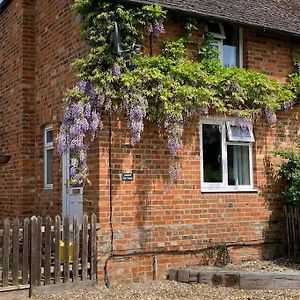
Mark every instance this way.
x=277 y=15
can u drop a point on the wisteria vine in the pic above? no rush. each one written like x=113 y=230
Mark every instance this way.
x=168 y=89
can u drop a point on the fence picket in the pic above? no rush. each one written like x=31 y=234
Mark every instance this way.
x=6 y=250
x=47 y=272
x=66 y=249
x=93 y=247
x=75 y=248
x=25 y=251
x=84 y=247
x=295 y=235
x=34 y=252
x=57 y=249
x=288 y=232
x=16 y=251
x=39 y=250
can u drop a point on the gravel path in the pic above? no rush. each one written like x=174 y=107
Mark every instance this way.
x=165 y=290
x=278 y=265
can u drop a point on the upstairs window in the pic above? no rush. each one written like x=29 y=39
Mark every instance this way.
x=48 y=157
x=226 y=156
x=228 y=40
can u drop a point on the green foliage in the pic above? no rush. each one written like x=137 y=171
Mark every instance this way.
x=217 y=256
x=295 y=83
x=172 y=83
x=152 y=12
x=175 y=49
x=170 y=88
x=290 y=174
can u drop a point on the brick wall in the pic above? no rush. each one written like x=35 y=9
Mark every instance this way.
x=150 y=215
x=17 y=107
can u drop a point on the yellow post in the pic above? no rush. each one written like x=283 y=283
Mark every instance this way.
x=62 y=252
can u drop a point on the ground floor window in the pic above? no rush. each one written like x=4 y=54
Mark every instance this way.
x=48 y=157
x=226 y=155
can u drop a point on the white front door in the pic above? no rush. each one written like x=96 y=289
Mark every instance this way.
x=72 y=196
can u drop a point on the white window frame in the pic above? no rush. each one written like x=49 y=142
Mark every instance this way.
x=218 y=42
x=232 y=138
x=47 y=146
x=223 y=186
x=217 y=35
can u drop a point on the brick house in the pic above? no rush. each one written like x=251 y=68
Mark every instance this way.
x=148 y=224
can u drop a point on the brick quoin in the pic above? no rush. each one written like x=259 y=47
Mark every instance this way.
x=152 y=215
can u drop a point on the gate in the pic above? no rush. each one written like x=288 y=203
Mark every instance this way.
x=40 y=252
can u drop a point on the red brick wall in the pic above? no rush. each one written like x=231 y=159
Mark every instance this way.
x=58 y=44
x=17 y=107
x=150 y=214
x=270 y=53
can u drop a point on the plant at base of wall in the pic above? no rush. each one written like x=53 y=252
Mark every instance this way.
x=289 y=172
x=168 y=89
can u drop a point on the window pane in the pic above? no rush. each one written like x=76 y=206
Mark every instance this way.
x=239 y=134
x=212 y=153
x=49 y=166
x=238 y=165
x=49 y=136
x=214 y=27
x=231 y=47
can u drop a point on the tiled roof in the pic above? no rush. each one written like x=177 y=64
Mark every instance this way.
x=278 y=15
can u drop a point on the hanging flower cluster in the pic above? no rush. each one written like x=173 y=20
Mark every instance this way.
x=135 y=112
x=153 y=17
x=168 y=89
x=82 y=116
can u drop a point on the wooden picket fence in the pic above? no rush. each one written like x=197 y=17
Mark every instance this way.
x=292 y=233
x=45 y=251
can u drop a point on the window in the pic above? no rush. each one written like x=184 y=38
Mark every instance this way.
x=226 y=156
x=228 y=40
x=48 y=157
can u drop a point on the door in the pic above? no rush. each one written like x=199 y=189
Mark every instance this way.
x=72 y=196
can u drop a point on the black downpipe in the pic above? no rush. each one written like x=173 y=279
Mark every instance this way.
x=106 y=276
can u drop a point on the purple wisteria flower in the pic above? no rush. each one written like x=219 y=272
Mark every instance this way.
x=288 y=105
x=202 y=109
x=270 y=115
x=243 y=121
x=135 y=113
x=148 y=27
x=158 y=27
x=174 y=170
x=174 y=129
x=116 y=69
x=234 y=87
x=79 y=119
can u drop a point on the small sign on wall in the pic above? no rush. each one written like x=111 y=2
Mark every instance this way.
x=128 y=176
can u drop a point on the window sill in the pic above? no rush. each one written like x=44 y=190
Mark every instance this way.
x=229 y=190
x=48 y=188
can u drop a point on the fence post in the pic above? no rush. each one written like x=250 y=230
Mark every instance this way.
x=57 y=249
x=6 y=235
x=66 y=229
x=93 y=247
x=84 y=247
x=15 y=241
x=33 y=254
x=75 y=248
x=47 y=268
x=25 y=251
